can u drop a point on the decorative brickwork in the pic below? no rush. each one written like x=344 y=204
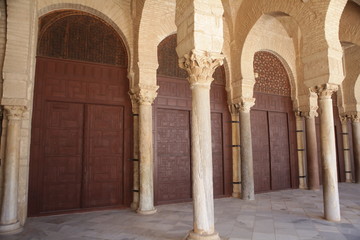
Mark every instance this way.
x=169 y=66
x=80 y=36
x=272 y=77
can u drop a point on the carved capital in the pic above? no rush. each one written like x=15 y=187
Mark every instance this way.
x=200 y=66
x=14 y=112
x=325 y=91
x=145 y=94
x=343 y=119
x=134 y=102
x=311 y=113
x=234 y=108
x=355 y=117
x=246 y=104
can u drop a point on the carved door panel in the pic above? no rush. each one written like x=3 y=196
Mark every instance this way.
x=173 y=156
x=261 y=148
x=62 y=163
x=217 y=153
x=103 y=168
x=279 y=150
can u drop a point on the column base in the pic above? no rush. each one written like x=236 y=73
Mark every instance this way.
x=196 y=236
x=349 y=180
x=134 y=206
x=146 y=212
x=12 y=228
x=236 y=195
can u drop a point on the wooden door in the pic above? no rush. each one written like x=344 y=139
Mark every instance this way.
x=62 y=162
x=79 y=155
x=261 y=149
x=103 y=171
x=279 y=150
x=173 y=156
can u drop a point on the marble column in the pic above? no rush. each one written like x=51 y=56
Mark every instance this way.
x=146 y=96
x=247 y=169
x=235 y=129
x=9 y=221
x=328 y=152
x=346 y=148
x=200 y=67
x=135 y=159
x=300 y=149
x=355 y=119
x=312 y=151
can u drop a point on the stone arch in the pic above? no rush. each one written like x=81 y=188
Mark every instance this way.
x=314 y=20
x=156 y=23
x=118 y=21
x=255 y=42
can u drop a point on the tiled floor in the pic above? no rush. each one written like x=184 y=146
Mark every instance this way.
x=283 y=215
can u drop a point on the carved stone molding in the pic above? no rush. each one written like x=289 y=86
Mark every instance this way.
x=343 y=119
x=145 y=94
x=14 y=112
x=355 y=117
x=200 y=66
x=325 y=90
x=246 y=104
x=234 y=108
x=134 y=102
x=311 y=113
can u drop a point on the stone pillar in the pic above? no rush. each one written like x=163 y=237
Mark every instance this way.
x=346 y=148
x=135 y=159
x=9 y=221
x=300 y=149
x=355 y=119
x=247 y=169
x=236 y=163
x=146 y=96
x=200 y=67
x=328 y=152
x=312 y=151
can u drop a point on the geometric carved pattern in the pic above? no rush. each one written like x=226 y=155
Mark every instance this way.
x=173 y=155
x=272 y=76
x=76 y=35
x=169 y=62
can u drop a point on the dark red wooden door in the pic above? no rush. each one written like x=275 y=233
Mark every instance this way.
x=279 y=150
x=62 y=163
x=81 y=119
x=261 y=148
x=104 y=147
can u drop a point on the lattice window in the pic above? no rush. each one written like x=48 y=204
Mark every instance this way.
x=272 y=76
x=169 y=66
x=80 y=36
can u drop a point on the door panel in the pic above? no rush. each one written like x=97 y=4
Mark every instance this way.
x=217 y=153
x=103 y=166
x=63 y=156
x=261 y=145
x=173 y=155
x=279 y=150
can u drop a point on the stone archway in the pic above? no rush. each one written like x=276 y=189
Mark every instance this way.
x=273 y=126
x=82 y=116
x=172 y=111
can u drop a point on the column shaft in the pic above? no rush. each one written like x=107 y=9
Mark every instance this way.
x=356 y=143
x=202 y=170
x=328 y=155
x=236 y=154
x=346 y=147
x=300 y=150
x=312 y=154
x=9 y=222
x=247 y=170
x=146 y=202
x=136 y=179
